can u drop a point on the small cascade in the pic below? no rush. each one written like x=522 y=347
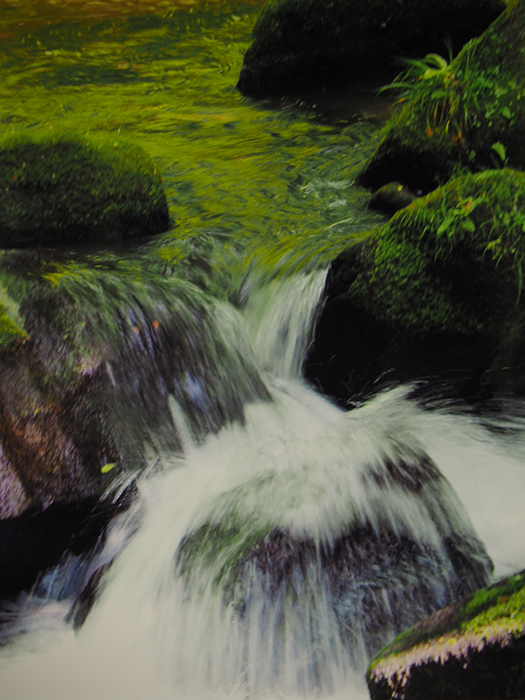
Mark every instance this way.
x=271 y=557
x=279 y=319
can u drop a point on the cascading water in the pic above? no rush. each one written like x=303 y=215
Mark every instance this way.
x=274 y=556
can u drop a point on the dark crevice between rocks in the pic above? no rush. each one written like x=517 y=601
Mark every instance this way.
x=419 y=171
x=355 y=356
x=36 y=541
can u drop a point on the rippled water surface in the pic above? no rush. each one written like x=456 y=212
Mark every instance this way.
x=270 y=180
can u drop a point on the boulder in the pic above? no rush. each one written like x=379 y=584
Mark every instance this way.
x=474 y=649
x=468 y=112
x=370 y=574
x=73 y=191
x=91 y=351
x=313 y=43
x=433 y=296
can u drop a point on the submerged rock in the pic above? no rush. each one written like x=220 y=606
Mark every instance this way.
x=369 y=577
x=435 y=295
x=311 y=43
x=473 y=649
x=74 y=191
x=468 y=111
x=36 y=540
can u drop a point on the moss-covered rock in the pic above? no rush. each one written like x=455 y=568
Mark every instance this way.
x=470 y=111
x=95 y=346
x=74 y=191
x=474 y=649
x=376 y=567
x=313 y=43
x=435 y=294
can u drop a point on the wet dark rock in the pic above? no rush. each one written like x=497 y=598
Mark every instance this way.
x=391 y=198
x=474 y=649
x=109 y=346
x=378 y=576
x=36 y=540
x=432 y=297
x=73 y=191
x=311 y=43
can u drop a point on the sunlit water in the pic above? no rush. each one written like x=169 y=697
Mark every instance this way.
x=273 y=181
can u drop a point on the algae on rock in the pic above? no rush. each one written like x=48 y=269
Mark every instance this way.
x=473 y=649
x=435 y=293
x=71 y=190
x=451 y=261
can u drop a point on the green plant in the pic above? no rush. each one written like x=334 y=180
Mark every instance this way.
x=500 y=150
x=440 y=90
x=431 y=66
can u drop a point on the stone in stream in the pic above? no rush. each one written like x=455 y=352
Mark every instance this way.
x=474 y=649
x=434 y=296
x=375 y=574
x=468 y=111
x=391 y=198
x=313 y=43
x=75 y=191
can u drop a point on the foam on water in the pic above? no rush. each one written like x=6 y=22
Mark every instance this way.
x=298 y=464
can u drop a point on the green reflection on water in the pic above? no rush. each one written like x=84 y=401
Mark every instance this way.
x=249 y=185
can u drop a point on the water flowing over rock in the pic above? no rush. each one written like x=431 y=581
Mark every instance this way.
x=380 y=515
x=302 y=537
x=187 y=516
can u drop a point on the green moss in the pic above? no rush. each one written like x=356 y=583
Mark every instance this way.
x=10 y=331
x=500 y=606
x=219 y=548
x=458 y=112
x=451 y=261
x=74 y=190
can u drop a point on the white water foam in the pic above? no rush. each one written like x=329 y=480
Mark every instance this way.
x=296 y=464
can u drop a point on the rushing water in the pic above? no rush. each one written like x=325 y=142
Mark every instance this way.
x=222 y=582
x=275 y=541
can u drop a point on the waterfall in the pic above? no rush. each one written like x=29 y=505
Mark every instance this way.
x=272 y=557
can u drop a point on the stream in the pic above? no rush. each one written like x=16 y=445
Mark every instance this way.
x=275 y=541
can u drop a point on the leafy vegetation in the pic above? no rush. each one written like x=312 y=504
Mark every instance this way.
x=468 y=110
x=434 y=88
x=450 y=261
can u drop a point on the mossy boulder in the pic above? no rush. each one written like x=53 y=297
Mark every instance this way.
x=72 y=191
x=468 y=112
x=377 y=570
x=314 y=43
x=435 y=294
x=474 y=649
x=93 y=347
